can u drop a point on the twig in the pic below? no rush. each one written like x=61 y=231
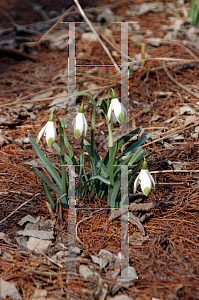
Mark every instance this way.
x=18 y=53
x=72 y=13
x=174 y=171
x=50 y=259
x=20 y=206
x=170 y=135
x=166 y=59
x=179 y=84
x=95 y=32
x=179 y=44
x=115 y=47
x=21 y=100
x=58 y=21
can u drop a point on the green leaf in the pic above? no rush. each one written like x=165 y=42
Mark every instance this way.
x=45 y=162
x=51 y=184
x=63 y=122
x=48 y=195
x=136 y=156
x=93 y=169
x=135 y=171
x=70 y=151
x=102 y=103
x=94 y=173
x=117 y=145
x=101 y=179
x=192 y=9
x=148 y=155
x=137 y=144
x=67 y=159
x=63 y=201
x=115 y=192
x=82 y=170
x=101 y=189
x=98 y=161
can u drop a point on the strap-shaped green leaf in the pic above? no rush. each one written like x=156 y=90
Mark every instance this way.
x=63 y=201
x=51 y=184
x=45 y=162
x=100 y=178
x=151 y=153
x=120 y=142
x=135 y=146
x=115 y=192
x=94 y=173
x=137 y=156
x=67 y=159
x=69 y=149
x=101 y=189
x=98 y=161
x=48 y=195
x=103 y=105
x=132 y=175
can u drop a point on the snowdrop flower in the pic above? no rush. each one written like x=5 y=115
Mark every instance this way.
x=145 y=179
x=117 y=108
x=49 y=131
x=79 y=123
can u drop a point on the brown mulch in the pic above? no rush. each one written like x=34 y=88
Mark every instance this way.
x=167 y=260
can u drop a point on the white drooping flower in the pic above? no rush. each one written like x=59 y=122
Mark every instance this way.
x=79 y=124
x=117 y=108
x=145 y=179
x=49 y=131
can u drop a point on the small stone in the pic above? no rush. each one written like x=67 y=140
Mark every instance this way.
x=137 y=40
x=154 y=41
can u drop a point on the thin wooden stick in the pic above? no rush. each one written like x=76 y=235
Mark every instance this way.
x=58 y=21
x=95 y=32
x=18 y=53
x=170 y=135
x=174 y=171
x=20 y=206
x=179 y=84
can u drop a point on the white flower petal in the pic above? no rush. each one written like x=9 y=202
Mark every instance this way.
x=152 y=181
x=110 y=111
x=117 y=109
x=136 y=183
x=85 y=126
x=41 y=133
x=124 y=114
x=50 y=133
x=78 y=125
x=145 y=181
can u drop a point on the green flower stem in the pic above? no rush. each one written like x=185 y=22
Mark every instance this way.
x=110 y=143
x=61 y=129
x=93 y=131
x=62 y=161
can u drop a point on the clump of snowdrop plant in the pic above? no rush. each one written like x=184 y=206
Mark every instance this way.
x=105 y=176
